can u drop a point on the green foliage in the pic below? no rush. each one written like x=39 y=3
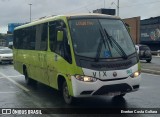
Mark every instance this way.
x=1 y=36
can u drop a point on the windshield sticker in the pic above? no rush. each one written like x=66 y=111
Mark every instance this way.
x=129 y=71
x=84 y=23
x=107 y=54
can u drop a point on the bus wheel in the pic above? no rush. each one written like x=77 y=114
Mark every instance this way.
x=67 y=98
x=148 y=61
x=28 y=80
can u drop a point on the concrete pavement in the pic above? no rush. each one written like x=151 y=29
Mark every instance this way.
x=153 y=67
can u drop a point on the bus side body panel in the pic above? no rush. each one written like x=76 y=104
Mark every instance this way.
x=34 y=62
x=17 y=63
x=47 y=66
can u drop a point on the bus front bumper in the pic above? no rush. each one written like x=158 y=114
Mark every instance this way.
x=111 y=88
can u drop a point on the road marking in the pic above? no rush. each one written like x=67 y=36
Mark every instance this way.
x=10 y=92
x=151 y=74
x=156 y=56
x=151 y=70
x=15 y=76
x=14 y=82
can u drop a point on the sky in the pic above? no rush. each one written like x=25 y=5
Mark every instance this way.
x=18 y=11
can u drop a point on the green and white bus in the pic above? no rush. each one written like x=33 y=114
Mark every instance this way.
x=80 y=55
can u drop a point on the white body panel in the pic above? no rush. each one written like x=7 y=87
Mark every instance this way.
x=80 y=86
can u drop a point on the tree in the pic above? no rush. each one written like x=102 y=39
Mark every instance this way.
x=1 y=36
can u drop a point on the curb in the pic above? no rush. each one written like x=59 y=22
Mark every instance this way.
x=150 y=71
x=156 y=56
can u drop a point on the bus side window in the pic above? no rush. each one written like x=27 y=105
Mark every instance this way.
x=26 y=37
x=52 y=35
x=41 y=37
x=55 y=45
x=32 y=38
x=64 y=45
x=44 y=37
x=60 y=47
x=67 y=51
x=16 y=39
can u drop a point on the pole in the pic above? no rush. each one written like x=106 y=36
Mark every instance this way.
x=30 y=12
x=118 y=8
x=104 y=3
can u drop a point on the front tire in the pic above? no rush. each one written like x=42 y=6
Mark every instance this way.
x=148 y=61
x=66 y=96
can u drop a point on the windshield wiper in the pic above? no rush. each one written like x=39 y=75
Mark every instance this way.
x=102 y=41
x=112 y=41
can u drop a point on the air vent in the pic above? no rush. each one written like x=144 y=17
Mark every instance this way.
x=112 y=65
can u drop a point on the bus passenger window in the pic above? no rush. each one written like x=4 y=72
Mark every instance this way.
x=41 y=37
x=60 y=47
x=32 y=38
x=55 y=46
x=52 y=35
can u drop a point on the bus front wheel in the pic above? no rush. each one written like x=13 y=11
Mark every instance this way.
x=67 y=98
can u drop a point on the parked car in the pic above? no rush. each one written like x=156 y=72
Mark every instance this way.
x=144 y=52
x=6 y=55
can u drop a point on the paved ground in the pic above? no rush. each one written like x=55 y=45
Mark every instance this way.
x=153 y=67
x=14 y=93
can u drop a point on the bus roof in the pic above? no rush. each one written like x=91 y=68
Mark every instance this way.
x=69 y=16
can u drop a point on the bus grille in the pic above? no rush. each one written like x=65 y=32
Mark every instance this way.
x=104 y=90
x=113 y=65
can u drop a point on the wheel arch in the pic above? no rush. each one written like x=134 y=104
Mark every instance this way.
x=24 y=68
x=60 y=80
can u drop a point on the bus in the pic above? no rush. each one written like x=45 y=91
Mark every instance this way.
x=81 y=55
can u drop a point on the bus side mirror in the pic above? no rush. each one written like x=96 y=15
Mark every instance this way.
x=59 y=35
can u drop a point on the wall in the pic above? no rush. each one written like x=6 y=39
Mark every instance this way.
x=134 y=25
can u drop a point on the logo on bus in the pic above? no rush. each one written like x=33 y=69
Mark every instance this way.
x=114 y=74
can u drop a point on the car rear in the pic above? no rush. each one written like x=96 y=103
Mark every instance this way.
x=6 y=55
x=145 y=53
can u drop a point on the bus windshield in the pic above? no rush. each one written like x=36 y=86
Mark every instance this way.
x=107 y=37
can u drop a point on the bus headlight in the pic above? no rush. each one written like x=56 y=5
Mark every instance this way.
x=85 y=78
x=135 y=74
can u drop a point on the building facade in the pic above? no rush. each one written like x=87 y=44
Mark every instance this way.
x=134 y=28
x=150 y=33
